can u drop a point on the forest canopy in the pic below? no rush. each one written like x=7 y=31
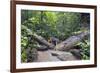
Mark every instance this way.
x=60 y=25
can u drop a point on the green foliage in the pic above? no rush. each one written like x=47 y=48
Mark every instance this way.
x=23 y=56
x=24 y=41
x=50 y=24
x=85 y=45
x=58 y=24
x=67 y=23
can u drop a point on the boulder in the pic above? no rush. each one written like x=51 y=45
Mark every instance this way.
x=63 y=56
x=46 y=56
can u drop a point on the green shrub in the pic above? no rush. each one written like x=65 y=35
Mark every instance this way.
x=85 y=45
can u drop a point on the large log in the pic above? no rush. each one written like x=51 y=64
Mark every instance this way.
x=43 y=41
x=40 y=39
x=71 y=41
x=42 y=48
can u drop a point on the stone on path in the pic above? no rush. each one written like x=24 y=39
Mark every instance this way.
x=46 y=56
x=64 y=56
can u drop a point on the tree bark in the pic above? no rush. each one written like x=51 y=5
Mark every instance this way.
x=71 y=41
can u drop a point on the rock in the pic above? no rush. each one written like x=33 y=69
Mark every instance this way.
x=31 y=54
x=45 y=56
x=76 y=53
x=64 y=56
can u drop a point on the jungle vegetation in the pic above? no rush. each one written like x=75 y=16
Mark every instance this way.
x=54 y=27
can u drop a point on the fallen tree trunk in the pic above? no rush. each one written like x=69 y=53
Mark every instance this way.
x=43 y=41
x=40 y=39
x=42 y=48
x=65 y=45
x=71 y=41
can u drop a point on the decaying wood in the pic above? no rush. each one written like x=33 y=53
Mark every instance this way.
x=71 y=41
x=38 y=38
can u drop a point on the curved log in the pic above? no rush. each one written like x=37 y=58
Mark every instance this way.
x=71 y=41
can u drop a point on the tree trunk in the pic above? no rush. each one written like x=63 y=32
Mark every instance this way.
x=71 y=41
x=40 y=39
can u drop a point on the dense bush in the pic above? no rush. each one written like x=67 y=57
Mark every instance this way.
x=85 y=46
